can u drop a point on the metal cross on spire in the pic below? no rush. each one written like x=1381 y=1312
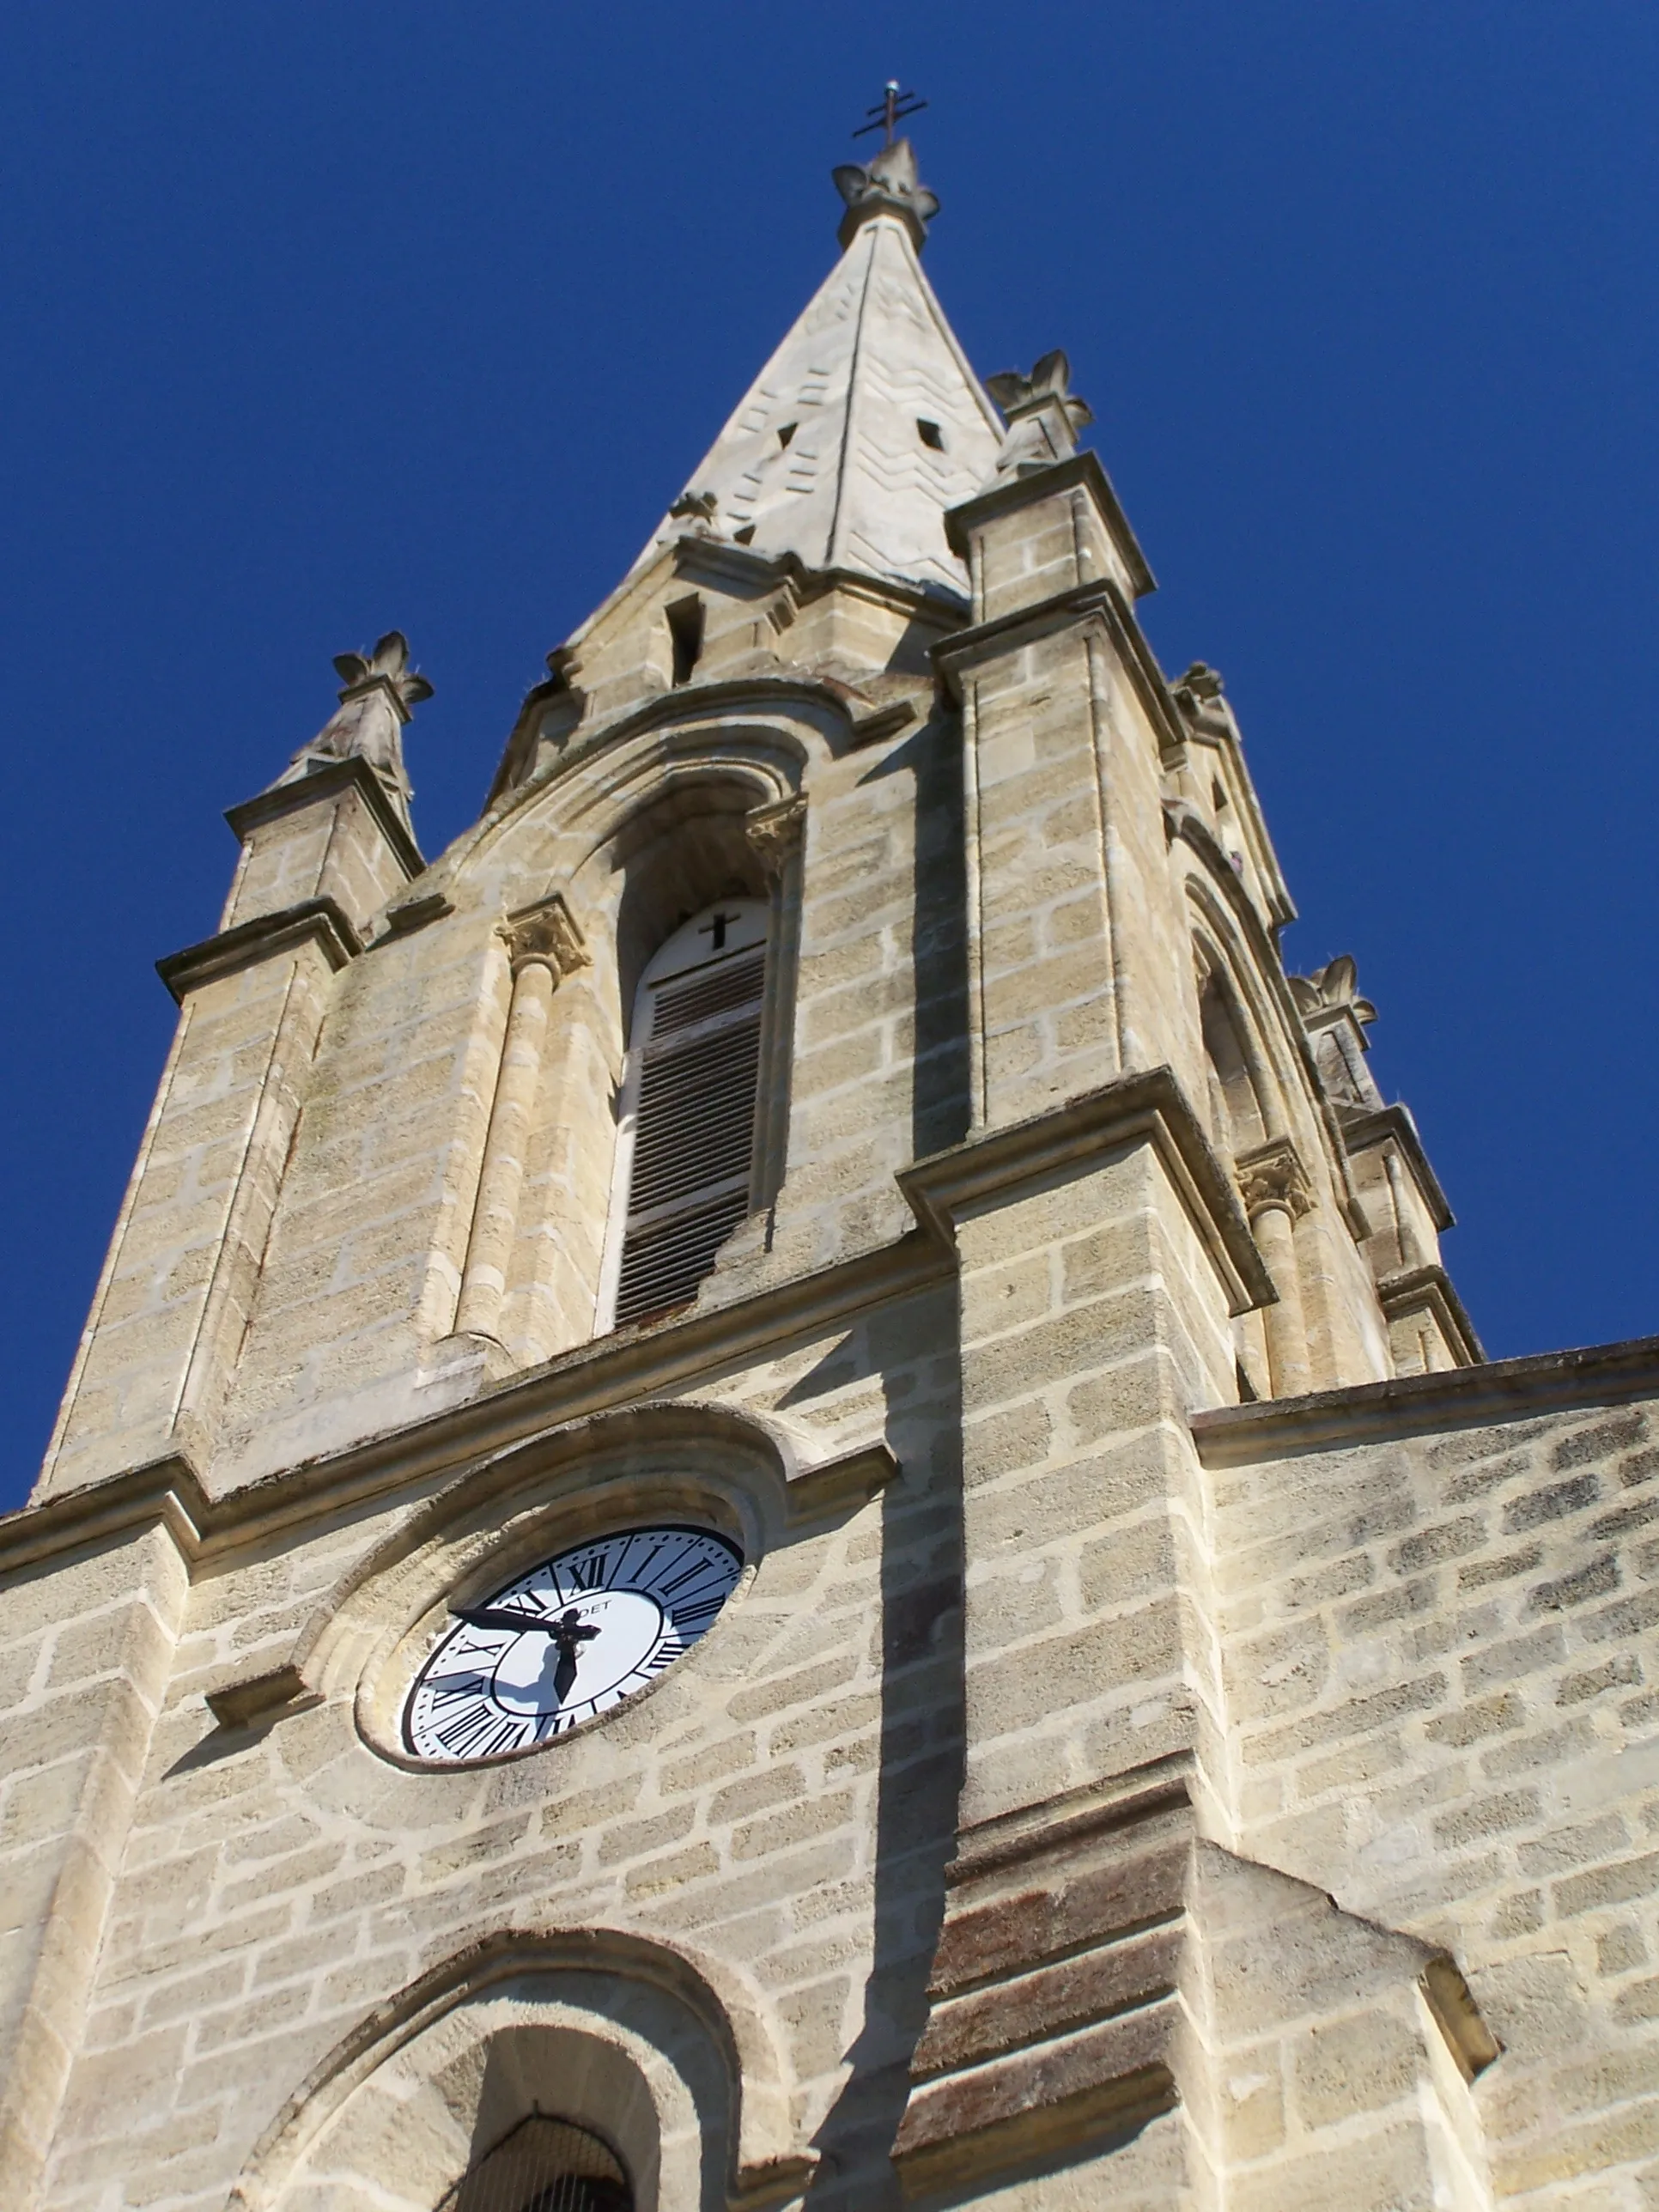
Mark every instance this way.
x=889 y=110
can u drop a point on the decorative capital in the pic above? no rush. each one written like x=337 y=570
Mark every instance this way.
x=545 y=933
x=890 y=185
x=1332 y=990
x=775 y=834
x=1274 y=1176
x=1043 y=414
x=381 y=693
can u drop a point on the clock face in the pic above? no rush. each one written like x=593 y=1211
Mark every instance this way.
x=568 y=1642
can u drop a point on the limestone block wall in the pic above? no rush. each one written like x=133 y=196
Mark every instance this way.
x=366 y=1255
x=178 y=1285
x=364 y=1267
x=779 y=1806
x=333 y=835
x=1092 y=1322
x=879 y=1073
x=1440 y=1664
x=85 y=1649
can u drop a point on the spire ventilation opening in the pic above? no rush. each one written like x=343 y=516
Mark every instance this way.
x=930 y=434
x=685 y=637
x=787 y=433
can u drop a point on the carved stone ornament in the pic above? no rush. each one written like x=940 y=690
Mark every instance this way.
x=1044 y=416
x=696 y=511
x=775 y=833
x=381 y=693
x=1201 y=687
x=888 y=187
x=1331 y=988
x=546 y=932
x=1272 y=1174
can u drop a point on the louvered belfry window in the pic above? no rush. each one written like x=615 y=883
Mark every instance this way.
x=544 y=2165
x=688 y=1128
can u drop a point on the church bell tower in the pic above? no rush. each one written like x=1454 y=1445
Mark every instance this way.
x=774 y=1498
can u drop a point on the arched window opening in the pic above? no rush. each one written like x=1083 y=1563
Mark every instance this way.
x=1234 y=1102
x=544 y=2165
x=686 y=1139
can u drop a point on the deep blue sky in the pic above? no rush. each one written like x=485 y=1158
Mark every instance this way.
x=321 y=318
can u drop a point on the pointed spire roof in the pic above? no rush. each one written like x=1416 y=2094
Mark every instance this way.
x=867 y=423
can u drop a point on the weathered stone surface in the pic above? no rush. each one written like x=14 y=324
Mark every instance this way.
x=1097 y=1789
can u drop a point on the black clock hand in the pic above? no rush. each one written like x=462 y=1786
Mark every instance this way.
x=491 y=1616
x=569 y=1632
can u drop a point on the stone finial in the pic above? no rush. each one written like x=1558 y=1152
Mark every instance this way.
x=381 y=693
x=1334 y=1015
x=888 y=187
x=1043 y=414
x=1331 y=988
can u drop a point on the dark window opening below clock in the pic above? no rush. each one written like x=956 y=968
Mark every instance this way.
x=544 y=2165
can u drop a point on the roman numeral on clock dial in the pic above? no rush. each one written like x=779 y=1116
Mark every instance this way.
x=567 y=1642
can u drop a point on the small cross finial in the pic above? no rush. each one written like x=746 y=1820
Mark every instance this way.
x=889 y=110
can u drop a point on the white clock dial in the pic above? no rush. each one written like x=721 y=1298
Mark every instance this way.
x=568 y=1642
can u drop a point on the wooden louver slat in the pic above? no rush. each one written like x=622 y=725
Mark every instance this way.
x=694 y=1134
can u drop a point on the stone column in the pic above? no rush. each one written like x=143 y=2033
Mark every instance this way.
x=543 y=944
x=1274 y=1184
x=777 y=835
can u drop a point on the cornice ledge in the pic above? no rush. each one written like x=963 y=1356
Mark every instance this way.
x=1371 y=1125
x=165 y=1492
x=1460 y=1397
x=1147 y=1107
x=839 y=1486
x=319 y=920
x=1410 y=1289
x=1080 y=468
x=1099 y=594
x=608 y=1373
x=323 y=783
x=885 y=722
x=1154 y=1789
x=1099 y=597
x=598 y=1377
x=947 y=609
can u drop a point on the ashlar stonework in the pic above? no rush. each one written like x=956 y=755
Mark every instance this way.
x=1185 y=1732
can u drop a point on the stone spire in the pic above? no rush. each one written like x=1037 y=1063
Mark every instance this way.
x=381 y=693
x=867 y=423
